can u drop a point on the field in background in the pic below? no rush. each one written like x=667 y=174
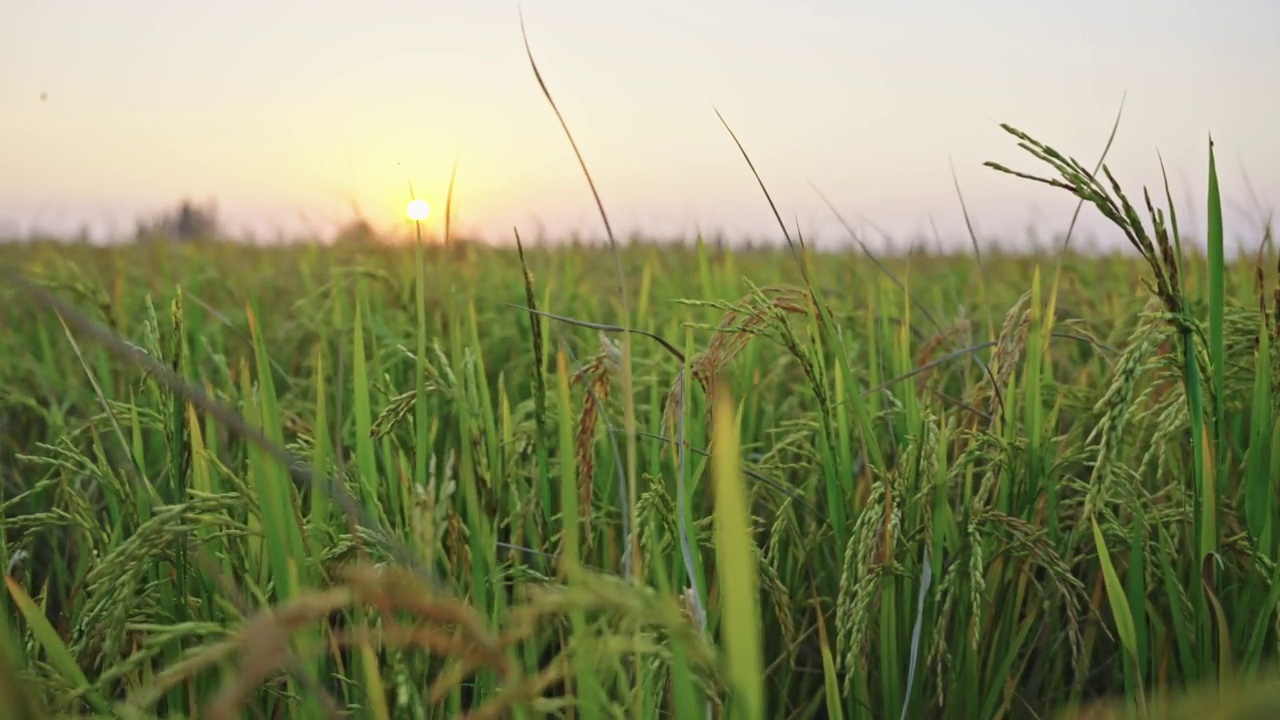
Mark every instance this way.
x=938 y=487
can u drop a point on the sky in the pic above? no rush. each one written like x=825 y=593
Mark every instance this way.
x=295 y=116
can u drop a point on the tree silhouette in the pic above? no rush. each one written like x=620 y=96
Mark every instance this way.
x=357 y=231
x=186 y=222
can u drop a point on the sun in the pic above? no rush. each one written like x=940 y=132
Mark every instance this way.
x=417 y=210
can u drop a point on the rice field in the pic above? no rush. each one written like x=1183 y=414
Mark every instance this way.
x=648 y=481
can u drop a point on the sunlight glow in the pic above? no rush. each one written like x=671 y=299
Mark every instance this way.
x=417 y=210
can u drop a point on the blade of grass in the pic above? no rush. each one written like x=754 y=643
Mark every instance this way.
x=736 y=568
x=57 y=651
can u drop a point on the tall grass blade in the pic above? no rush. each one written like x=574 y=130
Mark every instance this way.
x=57 y=651
x=736 y=567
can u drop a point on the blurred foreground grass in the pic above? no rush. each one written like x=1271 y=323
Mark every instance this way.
x=939 y=489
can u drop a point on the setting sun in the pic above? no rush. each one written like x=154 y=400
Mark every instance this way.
x=417 y=210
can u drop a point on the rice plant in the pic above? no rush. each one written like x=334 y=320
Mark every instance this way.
x=643 y=480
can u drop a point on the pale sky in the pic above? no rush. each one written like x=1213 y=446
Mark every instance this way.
x=287 y=112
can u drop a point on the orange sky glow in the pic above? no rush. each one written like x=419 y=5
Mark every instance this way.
x=295 y=116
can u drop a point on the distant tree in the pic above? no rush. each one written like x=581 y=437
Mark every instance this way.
x=186 y=222
x=356 y=231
